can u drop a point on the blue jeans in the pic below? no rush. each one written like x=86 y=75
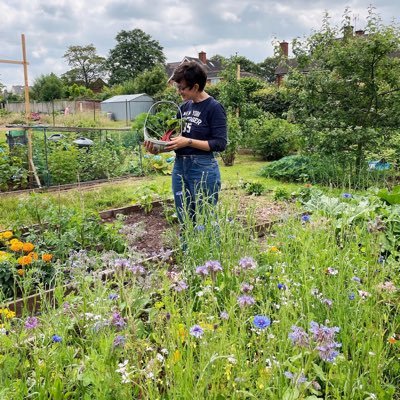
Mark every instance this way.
x=195 y=179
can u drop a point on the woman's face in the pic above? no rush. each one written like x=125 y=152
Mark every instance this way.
x=185 y=91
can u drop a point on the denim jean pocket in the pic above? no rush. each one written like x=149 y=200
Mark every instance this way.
x=205 y=163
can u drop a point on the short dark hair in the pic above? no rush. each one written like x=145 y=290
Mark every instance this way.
x=191 y=72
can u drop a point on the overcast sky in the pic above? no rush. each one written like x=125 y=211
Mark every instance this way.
x=183 y=28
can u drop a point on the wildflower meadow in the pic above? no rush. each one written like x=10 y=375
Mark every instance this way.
x=309 y=311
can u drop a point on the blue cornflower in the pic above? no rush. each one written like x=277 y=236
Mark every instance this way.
x=347 y=195
x=200 y=228
x=56 y=339
x=356 y=279
x=352 y=296
x=381 y=259
x=281 y=286
x=261 y=321
x=196 y=331
x=113 y=296
x=305 y=218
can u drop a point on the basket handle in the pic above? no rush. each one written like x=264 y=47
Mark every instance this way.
x=151 y=109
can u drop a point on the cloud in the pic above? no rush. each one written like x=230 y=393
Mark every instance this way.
x=183 y=28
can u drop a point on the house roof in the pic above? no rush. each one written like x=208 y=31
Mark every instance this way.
x=213 y=68
x=126 y=97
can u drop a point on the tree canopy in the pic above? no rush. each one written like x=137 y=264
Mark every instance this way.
x=134 y=53
x=47 y=88
x=87 y=65
x=348 y=101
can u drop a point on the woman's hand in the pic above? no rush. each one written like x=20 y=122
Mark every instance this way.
x=177 y=143
x=150 y=147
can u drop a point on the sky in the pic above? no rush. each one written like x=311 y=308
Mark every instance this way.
x=182 y=27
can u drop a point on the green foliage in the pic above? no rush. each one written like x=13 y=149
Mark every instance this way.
x=254 y=188
x=348 y=101
x=135 y=52
x=289 y=169
x=267 y=68
x=392 y=197
x=274 y=100
x=13 y=168
x=273 y=139
x=47 y=88
x=63 y=163
x=86 y=65
x=234 y=139
x=76 y=91
x=151 y=81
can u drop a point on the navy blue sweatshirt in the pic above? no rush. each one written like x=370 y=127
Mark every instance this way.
x=205 y=120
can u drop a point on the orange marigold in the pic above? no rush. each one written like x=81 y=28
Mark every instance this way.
x=16 y=246
x=28 y=247
x=20 y=272
x=25 y=260
x=47 y=257
x=35 y=256
x=392 y=340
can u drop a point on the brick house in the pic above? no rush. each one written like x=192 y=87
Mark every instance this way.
x=213 y=68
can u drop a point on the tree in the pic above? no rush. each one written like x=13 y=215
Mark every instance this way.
x=47 y=88
x=151 y=81
x=87 y=65
x=348 y=102
x=267 y=68
x=134 y=53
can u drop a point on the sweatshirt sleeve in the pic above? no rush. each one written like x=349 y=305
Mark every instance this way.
x=218 y=125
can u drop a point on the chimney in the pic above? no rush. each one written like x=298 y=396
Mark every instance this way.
x=284 y=48
x=203 y=57
x=359 y=32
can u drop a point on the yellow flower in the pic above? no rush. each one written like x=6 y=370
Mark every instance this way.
x=28 y=247
x=16 y=246
x=392 y=340
x=7 y=313
x=47 y=257
x=6 y=235
x=24 y=260
x=4 y=256
x=20 y=272
x=273 y=249
x=15 y=240
x=182 y=333
x=177 y=356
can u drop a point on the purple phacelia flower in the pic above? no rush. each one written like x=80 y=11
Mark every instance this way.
x=117 y=320
x=180 y=286
x=247 y=263
x=213 y=266
x=246 y=301
x=224 y=315
x=202 y=270
x=31 y=323
x=246 y=287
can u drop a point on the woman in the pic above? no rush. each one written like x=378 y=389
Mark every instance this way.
x=196 y=173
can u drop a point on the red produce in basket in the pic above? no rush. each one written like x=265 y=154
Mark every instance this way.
x=167 y=135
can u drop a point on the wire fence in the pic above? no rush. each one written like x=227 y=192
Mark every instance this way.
x=68 y=155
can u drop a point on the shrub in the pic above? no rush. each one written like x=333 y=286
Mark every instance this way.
x=273 y=139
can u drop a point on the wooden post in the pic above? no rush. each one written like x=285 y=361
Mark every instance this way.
x=238 y=78
x=24 y=62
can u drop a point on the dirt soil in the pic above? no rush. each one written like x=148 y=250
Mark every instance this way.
x=147 y=229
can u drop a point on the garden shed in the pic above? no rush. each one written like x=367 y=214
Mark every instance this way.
x=126 y=107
